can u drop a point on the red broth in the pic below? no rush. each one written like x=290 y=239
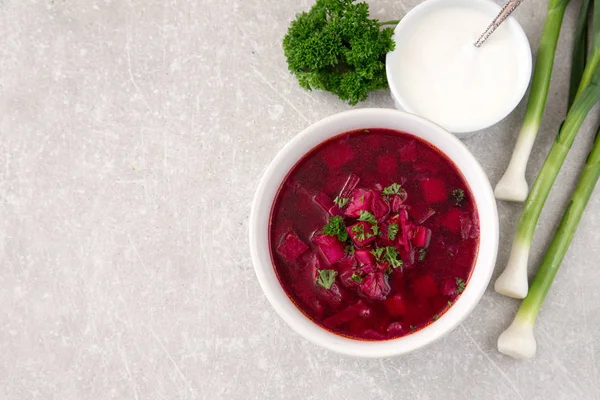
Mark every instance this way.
x=374 y=234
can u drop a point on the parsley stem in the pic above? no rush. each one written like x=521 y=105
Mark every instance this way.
x=392 y=22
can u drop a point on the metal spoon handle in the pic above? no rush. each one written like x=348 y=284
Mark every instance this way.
x=508 y=8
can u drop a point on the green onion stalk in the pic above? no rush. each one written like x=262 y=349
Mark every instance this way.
x=513 y=281
x=513 y=186
x=579 y=55
x=518 y=340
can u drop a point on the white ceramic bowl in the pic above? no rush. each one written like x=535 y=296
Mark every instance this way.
x=402 y=32
x=364 y=119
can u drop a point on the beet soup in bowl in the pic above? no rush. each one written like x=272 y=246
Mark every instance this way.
x=374 y=232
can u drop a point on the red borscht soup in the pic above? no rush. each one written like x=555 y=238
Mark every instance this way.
x=374 y=234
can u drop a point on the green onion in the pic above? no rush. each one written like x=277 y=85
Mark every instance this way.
x=513 y=186
x=579 y=55
x=518 y=340
x=513 y=281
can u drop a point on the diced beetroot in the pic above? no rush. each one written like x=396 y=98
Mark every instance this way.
x=330 y=246
x=368 y=269
x=360 y=309
x=395 y=305
x=324 y=201
x=372 y=334
x=335 y=210
x=409 y=152
x=404 y=230
x=349 y=186
x=424 y=286
x=345 y=270
x=292 y=247
x=395 y=329
x=379 y=206
x=434 y=190
x=428 y=214
x=452 y=220
x=408 y=257
x=422 y=237
x=333 y=297
x=387 y=163
x=449 y=287
x=383 y=239
x=360 y=201
x=336 y=156
x=364 y=256
x=326 y=204
x=367 y=231
x=310 y=299
x=375 y=286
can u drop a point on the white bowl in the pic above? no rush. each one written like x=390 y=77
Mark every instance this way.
x=365 y=119
x=402 y=33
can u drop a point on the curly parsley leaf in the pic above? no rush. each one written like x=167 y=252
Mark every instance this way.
x=394 y=188
x=367 y=217
x=336 y=227
x=460 y=286
x=359 y=232
x=336 y=47
x=422 y=254
x=375 y=230
x=341 y=201
x=392 y=257
x=459 y=197
x=392 y=231
x=356 y=278
x=378 y=252
x=326 y=278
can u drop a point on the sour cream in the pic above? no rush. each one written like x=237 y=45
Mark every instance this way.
x=436 y=72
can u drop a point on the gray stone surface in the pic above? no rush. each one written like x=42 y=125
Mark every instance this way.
x=132 y=137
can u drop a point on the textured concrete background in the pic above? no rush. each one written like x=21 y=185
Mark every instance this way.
x=132 y=136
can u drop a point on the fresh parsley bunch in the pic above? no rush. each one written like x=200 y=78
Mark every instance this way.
x=336 y=47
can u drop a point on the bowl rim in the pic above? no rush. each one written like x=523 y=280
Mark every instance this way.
x=299 y=146
x=494 y=8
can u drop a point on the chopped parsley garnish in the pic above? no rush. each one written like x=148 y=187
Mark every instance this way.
x=394 y=188
x=359 y=231
x=422 y=254
x=378 y=252
x=341 y=201
x=412 y=328
x=366 y=131
x=375 y=230
x=460 y=286
x=459 y=196
x=326 y=278
x=391 y=256
x=336 y=227
x=356 y=278
x=450 y=302
x=392 y=231
x=436 y=317
x=367 y=217
x=388 y=271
